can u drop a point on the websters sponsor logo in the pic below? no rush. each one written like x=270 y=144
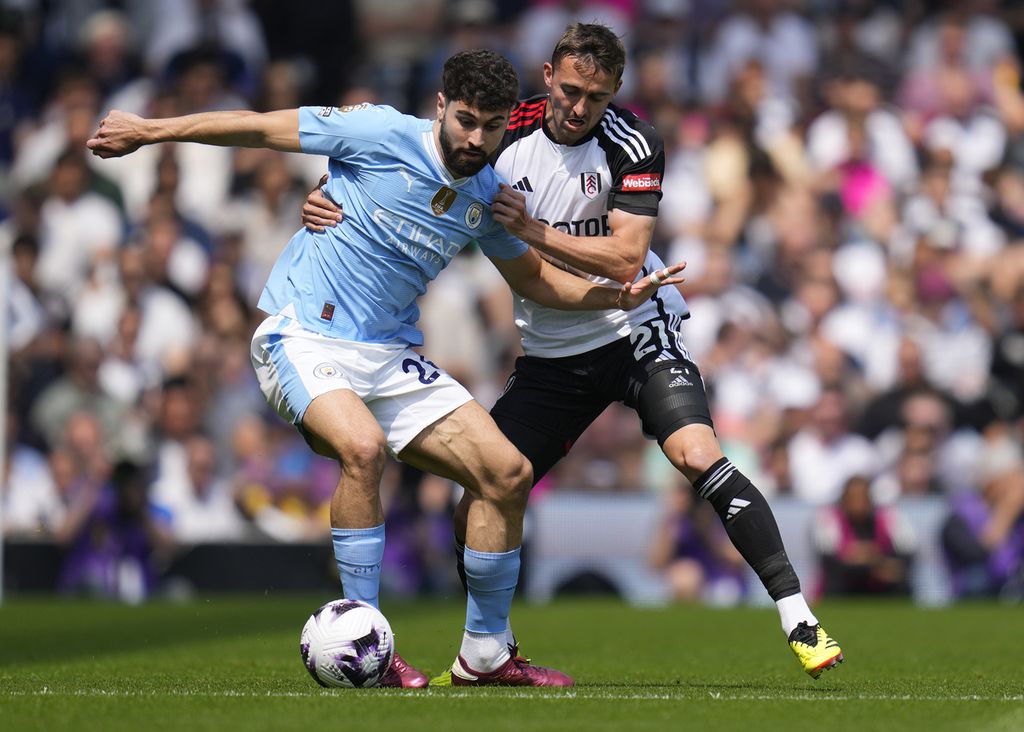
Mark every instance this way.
x=642 y=182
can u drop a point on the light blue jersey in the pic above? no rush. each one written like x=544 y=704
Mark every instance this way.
x=405 y=219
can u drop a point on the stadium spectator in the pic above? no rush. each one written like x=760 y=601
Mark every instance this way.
x=205 y=510
x=692 y=551
x=1008 y=359
x=768 y=31
x=167 y=327
x=863 y=549
x=32 y=505
x=115 y=538
x=855 y=103
x=227 y=28
x=79 y=231
x=824 y=455
x=79 y=390
x=984 y=536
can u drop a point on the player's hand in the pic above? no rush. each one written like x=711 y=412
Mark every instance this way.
x=509 y=210
x=635 y=293
x=120 y=133
x=319 y=211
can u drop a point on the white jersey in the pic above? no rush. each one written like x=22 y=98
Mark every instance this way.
x=618 y=165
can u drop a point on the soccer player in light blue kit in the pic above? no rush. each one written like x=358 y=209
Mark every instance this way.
x=335 y=356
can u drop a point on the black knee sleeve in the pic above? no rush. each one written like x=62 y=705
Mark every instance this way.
x=672 y=397
x=751 y=526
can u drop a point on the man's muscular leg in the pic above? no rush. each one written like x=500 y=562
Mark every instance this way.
x=338 y=425
x=747 y=517
x=467 y=447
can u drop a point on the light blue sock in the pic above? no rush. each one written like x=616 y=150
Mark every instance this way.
x=359 y=553
x=491 y=580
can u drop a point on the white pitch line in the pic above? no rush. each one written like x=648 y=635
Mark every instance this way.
x=509 y=694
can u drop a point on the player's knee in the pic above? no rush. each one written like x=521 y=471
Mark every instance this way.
x=692 y=451
x=508 y=481
x=363 y=457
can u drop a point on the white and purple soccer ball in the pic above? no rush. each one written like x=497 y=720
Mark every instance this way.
x=348 y=644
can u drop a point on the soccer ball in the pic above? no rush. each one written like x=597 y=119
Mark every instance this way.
x=347 y=643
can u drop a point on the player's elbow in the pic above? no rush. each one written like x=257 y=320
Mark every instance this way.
x=626 y=271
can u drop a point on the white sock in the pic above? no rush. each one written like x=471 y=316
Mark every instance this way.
x=793 y=610
x=484 y=651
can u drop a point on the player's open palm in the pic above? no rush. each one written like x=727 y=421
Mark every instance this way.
x=633 y=294
x=120 y=133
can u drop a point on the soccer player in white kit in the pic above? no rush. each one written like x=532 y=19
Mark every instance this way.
x=335 y=355
x=583 y=187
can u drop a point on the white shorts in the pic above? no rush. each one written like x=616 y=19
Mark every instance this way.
x=405 y=392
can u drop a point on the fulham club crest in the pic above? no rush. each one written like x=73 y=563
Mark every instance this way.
x=590 y=183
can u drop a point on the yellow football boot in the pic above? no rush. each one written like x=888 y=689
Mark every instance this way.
x=814 y=649
x=445 y=679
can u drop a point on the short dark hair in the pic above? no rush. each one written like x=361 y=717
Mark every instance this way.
x=481 y=79
x=592 y=45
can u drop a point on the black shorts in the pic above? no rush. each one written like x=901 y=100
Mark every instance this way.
x=549 y=402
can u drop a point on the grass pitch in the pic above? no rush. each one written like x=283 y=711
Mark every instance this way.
x=233 y=663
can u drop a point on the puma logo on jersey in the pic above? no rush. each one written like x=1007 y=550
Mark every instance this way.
x=408 y=179
x=523 y=184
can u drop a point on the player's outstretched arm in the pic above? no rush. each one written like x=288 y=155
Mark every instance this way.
x=122 y=133
x=618 y=256
x=542 y=282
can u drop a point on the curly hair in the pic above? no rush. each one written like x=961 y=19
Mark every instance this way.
x=481 y=79
x=593 y=46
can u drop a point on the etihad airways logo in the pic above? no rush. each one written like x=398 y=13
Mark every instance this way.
x=642 y=182
x=415 y=241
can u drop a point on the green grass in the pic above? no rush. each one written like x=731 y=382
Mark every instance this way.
x=233 y=663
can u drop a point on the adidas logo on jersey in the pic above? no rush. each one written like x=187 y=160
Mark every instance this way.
x=523 y=184
x=680 y=380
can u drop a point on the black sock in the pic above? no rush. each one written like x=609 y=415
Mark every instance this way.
x=460 y=563
x=751 y=526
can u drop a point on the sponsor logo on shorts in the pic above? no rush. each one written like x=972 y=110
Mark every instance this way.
x=327 y=371
x=442 y=201
x=642 y=182
x=474 y=214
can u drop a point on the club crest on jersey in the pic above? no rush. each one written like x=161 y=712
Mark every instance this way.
x=590 y=184
x=474 y=214
x=442 y=201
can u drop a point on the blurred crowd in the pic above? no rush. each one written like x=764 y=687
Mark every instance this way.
x=844 y=178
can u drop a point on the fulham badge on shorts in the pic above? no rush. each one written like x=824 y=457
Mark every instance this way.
x=442 y=201
x=590 y=184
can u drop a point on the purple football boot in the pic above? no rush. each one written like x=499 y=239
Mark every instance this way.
x=516 y=671
x=401 y=675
